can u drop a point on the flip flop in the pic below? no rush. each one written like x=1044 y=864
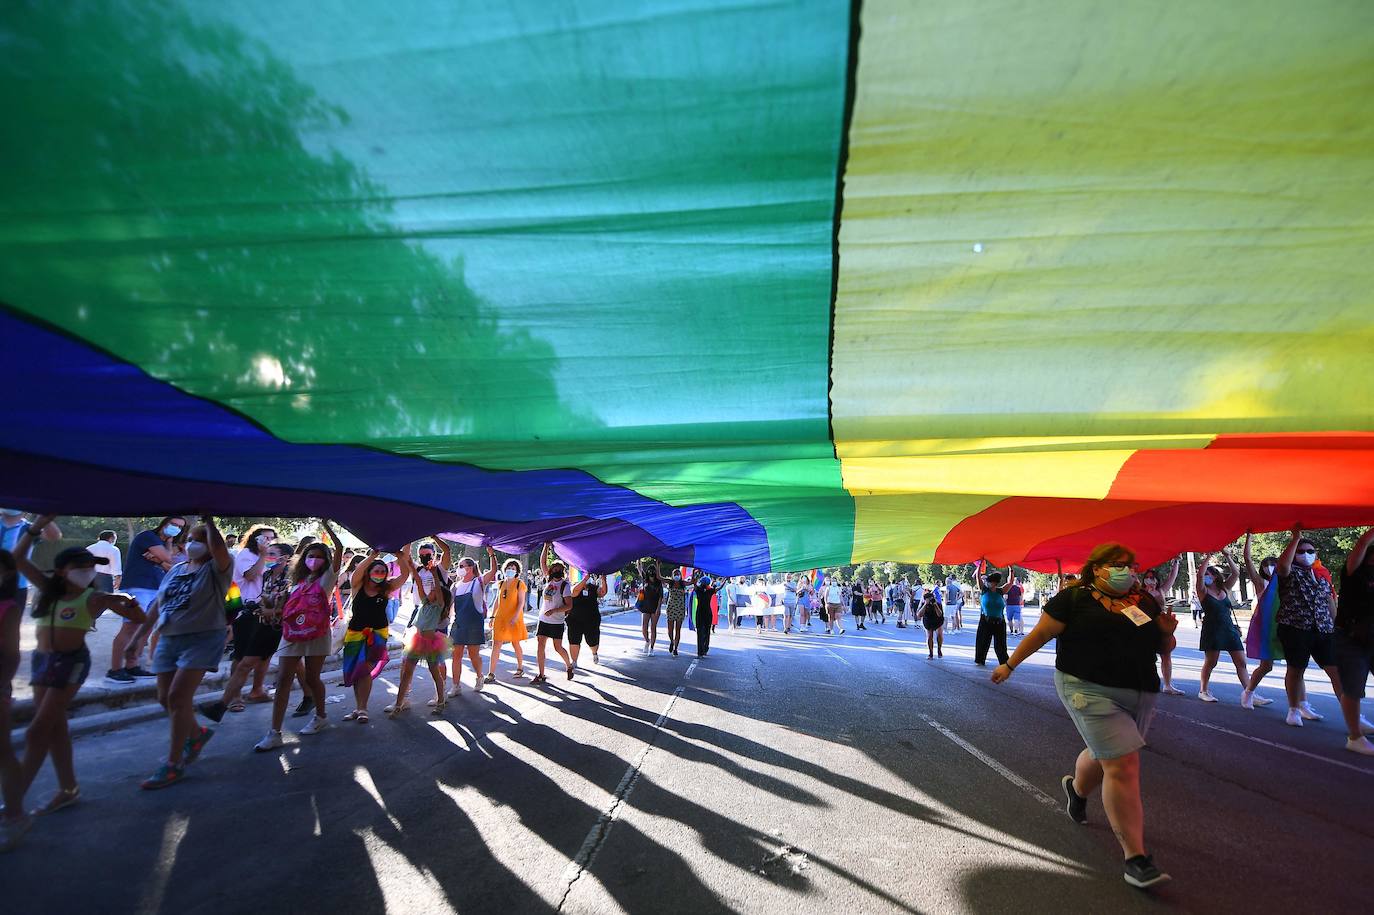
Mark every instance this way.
x=237 y=706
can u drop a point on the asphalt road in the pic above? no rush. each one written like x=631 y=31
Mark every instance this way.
x=780 y=774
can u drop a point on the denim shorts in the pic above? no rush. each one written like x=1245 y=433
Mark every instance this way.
x=60 y=669
x=1112 y=721
x=191 y=651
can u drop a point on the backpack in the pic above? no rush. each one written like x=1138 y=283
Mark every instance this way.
x=306 y=614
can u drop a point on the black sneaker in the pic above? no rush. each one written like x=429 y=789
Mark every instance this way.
x=304 y=708
x=139 y=673
x=213 y=710
x=1142 y=873
x=119 y=677
x=1075 y=806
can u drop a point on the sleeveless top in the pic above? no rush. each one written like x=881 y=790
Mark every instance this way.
x=71 y=612
x=368 y=611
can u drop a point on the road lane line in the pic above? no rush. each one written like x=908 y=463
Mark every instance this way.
x=691 y=668
x=993 y=764
x=173 y=831
x=838 y=658
x=1268 y=743
x=596 y=837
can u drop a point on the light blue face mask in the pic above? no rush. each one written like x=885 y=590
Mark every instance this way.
x=1119 y=580
x=1208 y=579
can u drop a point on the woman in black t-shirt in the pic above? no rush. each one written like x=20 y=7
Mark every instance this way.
x=1108 y=633
x=650 y=603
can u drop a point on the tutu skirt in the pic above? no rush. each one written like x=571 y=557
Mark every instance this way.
x=431 y=647
x=364 y=653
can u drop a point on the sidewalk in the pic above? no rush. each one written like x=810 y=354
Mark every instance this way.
x=98 y=696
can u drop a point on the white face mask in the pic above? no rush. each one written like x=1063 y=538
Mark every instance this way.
x=1303 y=558
x=82 y=578
x=196 y=550
x=512 y=575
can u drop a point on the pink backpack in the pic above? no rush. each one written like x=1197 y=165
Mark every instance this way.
x=306 y=614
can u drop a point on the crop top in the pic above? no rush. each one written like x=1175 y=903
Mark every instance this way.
x=71 y=612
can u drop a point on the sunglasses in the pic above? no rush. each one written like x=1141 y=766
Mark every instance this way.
x=1308 y=552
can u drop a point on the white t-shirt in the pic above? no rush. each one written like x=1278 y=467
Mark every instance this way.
x=107 y=550
x=552 y=597
x=245 y=560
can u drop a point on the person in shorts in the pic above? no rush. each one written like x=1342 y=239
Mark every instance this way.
x=1354 y=641
x=834 y=607
x=191 y=636
x=584 y=619
x=555 y=600
x=1305 y=623
x=1015 y=601
x=1108 y=631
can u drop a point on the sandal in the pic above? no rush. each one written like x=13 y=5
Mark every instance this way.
x=519 y=672
x=394 y=710
x=489 y=678
x=438 y=708
x=361 y=716
x=237 y=706
x=539 y=678
x=60 y=801
x=571 y=668
x=353 y=715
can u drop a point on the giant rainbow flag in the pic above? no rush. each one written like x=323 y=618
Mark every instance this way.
x=742 y=285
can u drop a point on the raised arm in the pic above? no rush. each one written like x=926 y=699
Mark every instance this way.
x=1358 y=554
x=21 y=551
x=1285 y=564
x=1232 y=571
x=219 y=550
x=402 y=560
x=1011 y=579
x=356 y=579
x=489 y=575
x=1167 y=585
x=336 y=554
x=1255 y=578
x=445 y=554
x=1198 y=587
x=544 y=559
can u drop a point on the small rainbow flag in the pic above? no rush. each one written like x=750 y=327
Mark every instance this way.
x=233 y=602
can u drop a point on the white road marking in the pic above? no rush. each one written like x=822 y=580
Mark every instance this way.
x=1269 y=743
x=597 y=835
x=691 y=669
x=838 y=658
x=993 y=764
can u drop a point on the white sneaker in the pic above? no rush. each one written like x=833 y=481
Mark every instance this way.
x=1206 y=696
x=1260 y=701
x=270 y=742
x=1308 y=712
x=1173 y=690
x=316 y=725
x=1247 y=699
x=1365 y=726
x=1359 y=745
x=1294 y=719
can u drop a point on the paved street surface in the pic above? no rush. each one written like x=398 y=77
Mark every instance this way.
x=784 y=774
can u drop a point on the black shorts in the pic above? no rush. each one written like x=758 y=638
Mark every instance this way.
x=1302 y=645
x=253 y=638
x=1354 y=658
x=578 y=629
x=550 y=630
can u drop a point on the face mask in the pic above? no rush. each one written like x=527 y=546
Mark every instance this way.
x=377 y=577
x=511 y=575
x=1305 y=557
x=1267 y=571
x=1208 y=579
x=556 y=575
x=314 y=563
x=1117 y=580
x=1151 y=583
x=82 y=578
x=171 y=530
x=426 y=558
x=469 y=573
x=270 y=564
x=196 y=550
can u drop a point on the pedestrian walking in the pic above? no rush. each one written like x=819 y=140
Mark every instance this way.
x=508 y=622
x=584 y=619
x=1108 y=632
x=992 y=620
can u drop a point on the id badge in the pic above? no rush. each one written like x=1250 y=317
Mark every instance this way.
x=1136 y=615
